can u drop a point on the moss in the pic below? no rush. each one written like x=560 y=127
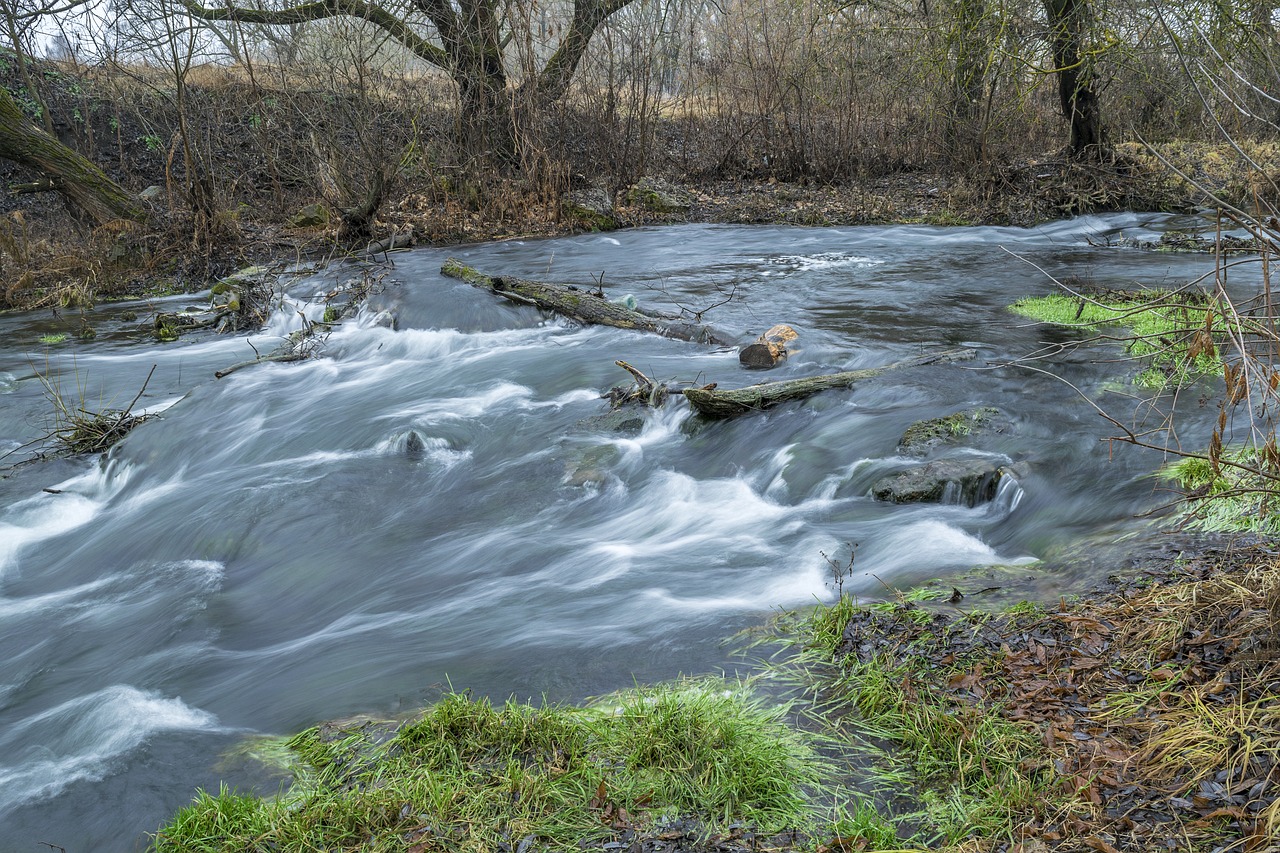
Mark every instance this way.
x=589 y=217
x=455 y=268
x=331 y=314
x=923 y=434
x=1164 y=329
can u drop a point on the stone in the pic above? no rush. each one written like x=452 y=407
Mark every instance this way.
x=312 y=216
x=628 y=421
x=966 y=480
x=923 y=436
x=591 y=207
x=151 y=193
x=658 y=196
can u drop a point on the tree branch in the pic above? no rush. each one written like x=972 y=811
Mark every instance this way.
x=588 y=15
x=322 y=9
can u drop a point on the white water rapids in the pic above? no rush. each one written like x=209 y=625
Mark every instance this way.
x=274 y=551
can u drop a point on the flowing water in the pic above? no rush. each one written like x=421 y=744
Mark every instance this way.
x=277 y=549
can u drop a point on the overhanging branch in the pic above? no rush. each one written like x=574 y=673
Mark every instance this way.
x=322 y=9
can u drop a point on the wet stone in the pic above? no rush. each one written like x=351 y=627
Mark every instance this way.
x=965 y=480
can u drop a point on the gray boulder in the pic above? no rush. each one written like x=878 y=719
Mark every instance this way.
x=592 y=207
x=658 y=196
x=966 y=480
x=311 y=216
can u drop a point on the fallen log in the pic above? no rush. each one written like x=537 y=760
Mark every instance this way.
x=728 y=403
x=582 y=306
x=769 y=349
x=645 y=392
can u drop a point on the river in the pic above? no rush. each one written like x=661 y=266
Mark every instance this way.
x=268 y=553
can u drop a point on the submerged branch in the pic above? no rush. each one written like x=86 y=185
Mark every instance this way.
x=588 y=308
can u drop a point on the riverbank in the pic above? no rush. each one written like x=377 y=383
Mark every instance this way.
x=271 y=188
x=1144 y=716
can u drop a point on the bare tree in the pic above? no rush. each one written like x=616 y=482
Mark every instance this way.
x=1073 y=60
x=468 y=40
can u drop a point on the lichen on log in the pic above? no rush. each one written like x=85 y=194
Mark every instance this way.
x=728 y=403
x=582 y=306
x=78 y=180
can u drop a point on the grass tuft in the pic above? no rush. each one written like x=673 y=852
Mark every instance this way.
x=469 y=775
x=1229 y=499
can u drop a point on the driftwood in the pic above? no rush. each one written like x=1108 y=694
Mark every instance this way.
x=645 y=392
x=769 y=349
x=276 y=357
x=726 y=404
x=589 y=308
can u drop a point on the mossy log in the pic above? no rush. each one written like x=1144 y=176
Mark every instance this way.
x=79 y=181
x=582 y=306
x=728 y=403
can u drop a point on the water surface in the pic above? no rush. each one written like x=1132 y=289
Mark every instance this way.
x=270 y=553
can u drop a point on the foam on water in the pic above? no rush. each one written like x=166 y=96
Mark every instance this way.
x=366 y=339
x=786 y=587
x=86 y=738
x=498 y=395
x=41 y=517
x=823 y=260
x=431 y=448
x=919 y=544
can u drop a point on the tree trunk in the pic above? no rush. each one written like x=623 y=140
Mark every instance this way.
x=1077 y=95
x=581 y=306
x=969 y=50
x=487 y=120
x=81 y=183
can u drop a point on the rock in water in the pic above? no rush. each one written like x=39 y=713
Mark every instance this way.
x=413 y=444
x=923 y=436
x=966 y=480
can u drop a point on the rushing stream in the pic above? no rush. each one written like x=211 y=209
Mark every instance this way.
x=276 y=549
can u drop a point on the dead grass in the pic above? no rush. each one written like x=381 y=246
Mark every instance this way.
x=1157 y=706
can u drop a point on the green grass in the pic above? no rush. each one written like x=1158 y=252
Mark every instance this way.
x=1160 y=329
x=964 y=770
x=53 y=339
x=977 y=773
x=469 y=775
x=1229 y=500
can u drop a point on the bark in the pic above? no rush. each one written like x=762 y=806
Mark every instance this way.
x=486 y=121
x=1077 y=92
x=769 y=349
x=968 y=79
x=726 y=404
x=80 y=182
x=582 y=306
